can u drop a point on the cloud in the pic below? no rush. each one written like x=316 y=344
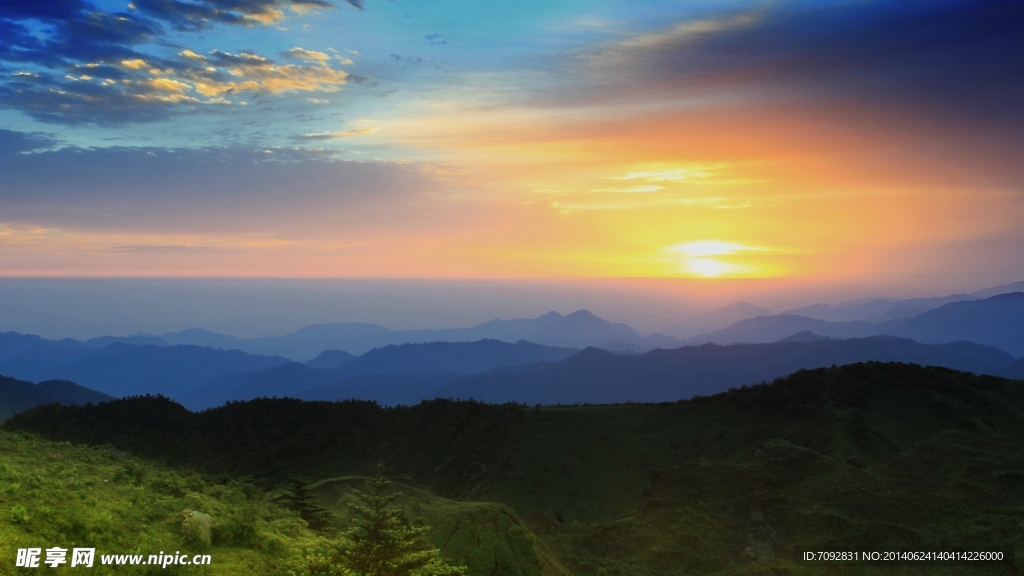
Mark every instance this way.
x=952 y=61
x=147 y=90
x=336 y=135
x=89 y=65
x=193 y=16
x=230 y=188
x=162 y=249
x=308 y=55
x=13 y=142
x=706 y=248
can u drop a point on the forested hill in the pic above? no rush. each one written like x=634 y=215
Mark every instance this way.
x=862 y=413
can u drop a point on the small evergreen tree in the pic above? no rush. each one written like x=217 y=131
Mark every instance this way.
x=382 y=543
x=302 y=500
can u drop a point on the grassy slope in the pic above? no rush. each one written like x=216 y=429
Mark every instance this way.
x=76 y=496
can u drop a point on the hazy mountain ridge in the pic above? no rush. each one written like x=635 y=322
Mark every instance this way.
x=412 y=360
x=766 y=329
x=1015 y=370
x=122 y=369
x=876 y=309
x=594 y=375
x=576 y=330
x=330 y=359
x=18 y=395
x=205 y=376
x=873 y=309
x=598 y=376
x=717 y=319
x=994 y=321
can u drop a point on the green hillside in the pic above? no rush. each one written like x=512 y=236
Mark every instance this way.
x=55 y=494
x=864 y=454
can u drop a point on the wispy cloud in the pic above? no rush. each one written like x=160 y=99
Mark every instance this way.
x=336 y=135
x=308 y=55
x=165 y=249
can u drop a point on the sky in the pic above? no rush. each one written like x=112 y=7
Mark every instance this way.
x=874 y=143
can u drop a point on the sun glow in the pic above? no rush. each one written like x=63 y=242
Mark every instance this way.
x=704 y=258
x=710 y=248
x=707 y=267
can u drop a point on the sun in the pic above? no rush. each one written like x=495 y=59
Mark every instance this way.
x=706 y=267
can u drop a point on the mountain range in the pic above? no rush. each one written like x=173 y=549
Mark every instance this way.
x=599 y=377
x=737 y=322
x=396 y=373
x=982 y=335
x=589 y=376
x=874 y=310
x=994 y=321
x=576 y=330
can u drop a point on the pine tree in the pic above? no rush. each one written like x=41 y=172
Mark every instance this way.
x=302 y=500
x=381 y=541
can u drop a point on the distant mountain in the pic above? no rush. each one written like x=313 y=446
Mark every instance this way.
x=805 y=336
x=301 y=345
x=200 y=337
x=284 y=380
x=67 y=392
x=17 y=395
x=385 y=389
x=717 y=319
x=454 y=357
x=996 y=321
x=884 y=309
x=875 y=309
x=446 y=358
x=598 y=376
x=133 y=340
x=1015 y=370
x=576 y=330
x=123 y=370
x=1004 y=289
x=14 y=344
x=330 y=359
x=40 y=362
x=765 y=329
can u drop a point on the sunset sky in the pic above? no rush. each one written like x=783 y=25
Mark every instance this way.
x=818 y=140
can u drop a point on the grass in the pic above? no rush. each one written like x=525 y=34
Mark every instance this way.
x=55 y=494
